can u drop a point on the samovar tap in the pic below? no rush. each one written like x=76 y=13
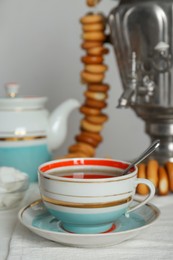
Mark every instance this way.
x=128 y=93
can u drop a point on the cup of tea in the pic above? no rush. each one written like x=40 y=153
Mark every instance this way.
x=88 y=195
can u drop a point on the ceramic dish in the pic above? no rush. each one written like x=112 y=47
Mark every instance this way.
x=13 y=187
x=36 y=218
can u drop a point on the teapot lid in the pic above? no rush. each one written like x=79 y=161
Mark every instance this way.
x=13 y=101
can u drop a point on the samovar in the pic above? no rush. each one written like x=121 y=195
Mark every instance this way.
x=141 y=33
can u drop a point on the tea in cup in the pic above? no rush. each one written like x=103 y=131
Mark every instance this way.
x=89 y=194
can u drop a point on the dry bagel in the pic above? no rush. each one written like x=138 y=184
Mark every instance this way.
x=86 y=45
x=93 y=27
x=98 y=87
x=94 y=36
x=87 y=126
x=142 y=189
x=92 y=59
x=100 y=50
x=95 y=95
x=97 y=68
x=86 y=139
x=95 y=103
x=95 y=136
x=92 y=2
x=92 y=18
x=163 y=184
x=92 y=77
x=89 y=111
x=152 y=172
x=100 y=119
x=169 y=168
x=82 y=147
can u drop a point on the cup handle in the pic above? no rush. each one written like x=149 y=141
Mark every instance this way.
x=149 y=197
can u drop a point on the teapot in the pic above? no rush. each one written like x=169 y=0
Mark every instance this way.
x=28 y=132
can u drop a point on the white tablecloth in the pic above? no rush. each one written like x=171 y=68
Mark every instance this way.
x=8 y=221
x=154 y=243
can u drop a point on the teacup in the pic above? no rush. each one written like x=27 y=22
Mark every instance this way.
x=88 y=195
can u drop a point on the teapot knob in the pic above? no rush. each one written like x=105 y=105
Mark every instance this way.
x=12 y=89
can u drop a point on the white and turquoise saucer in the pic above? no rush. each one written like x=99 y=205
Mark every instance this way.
x=36 y=218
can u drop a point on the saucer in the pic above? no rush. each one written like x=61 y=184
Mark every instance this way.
x=37 y=219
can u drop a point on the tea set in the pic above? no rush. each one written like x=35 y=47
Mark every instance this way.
x=88 y=202
x=87 y=195
x=84 y=201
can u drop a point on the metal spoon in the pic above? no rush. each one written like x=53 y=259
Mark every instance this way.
x=147 y=152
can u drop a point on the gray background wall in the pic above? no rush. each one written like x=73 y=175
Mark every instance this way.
x=40 y=50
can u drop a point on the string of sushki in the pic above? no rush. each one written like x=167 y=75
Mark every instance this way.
x=96 y=90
